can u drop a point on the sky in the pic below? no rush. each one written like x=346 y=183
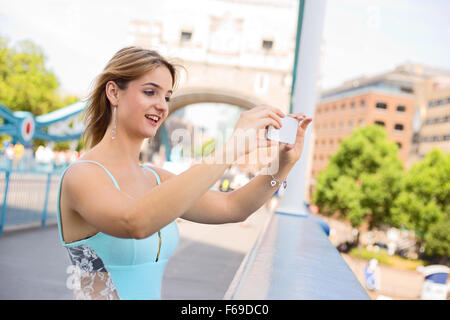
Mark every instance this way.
x=361 y=37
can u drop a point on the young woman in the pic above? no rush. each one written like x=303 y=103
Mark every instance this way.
x=116 y=216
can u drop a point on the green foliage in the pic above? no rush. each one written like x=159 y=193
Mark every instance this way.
x=61 y=146
x=425 y=196
x=362 y=179
x=80 y=145
x=25 y=82
x=438 y=239
x=384 y=258
x=208 y=147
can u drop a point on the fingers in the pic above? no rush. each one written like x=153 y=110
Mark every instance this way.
x=301 y=117
x=268 y=121
x=275 y=116
x=274 y=113
x=277 y=111
x=305 y=123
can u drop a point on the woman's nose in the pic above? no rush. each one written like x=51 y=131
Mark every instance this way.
x=162 y=105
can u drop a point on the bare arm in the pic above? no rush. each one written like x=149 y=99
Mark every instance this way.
x=92 y=194
x=254 y=194
x=250 y=197
x=108 y=210
x=211 y=208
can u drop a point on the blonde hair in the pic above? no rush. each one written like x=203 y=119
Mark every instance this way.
x=126 y=65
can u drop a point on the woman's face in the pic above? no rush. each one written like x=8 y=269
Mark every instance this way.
x=144 y=98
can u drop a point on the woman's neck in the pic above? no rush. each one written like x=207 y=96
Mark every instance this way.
x=122 y=151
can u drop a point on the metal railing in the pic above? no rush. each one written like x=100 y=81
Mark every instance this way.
x=29 y=194
x=293 y=259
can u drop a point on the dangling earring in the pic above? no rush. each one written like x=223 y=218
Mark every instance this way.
x=113 y=131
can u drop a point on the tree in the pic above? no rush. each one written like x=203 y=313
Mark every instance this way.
x=425 y=197
x=438 y=240
x=61 y=146
x=26 y=84
x=362 y=179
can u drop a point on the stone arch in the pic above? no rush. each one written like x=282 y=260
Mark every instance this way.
x=192 y=95
x=187 y=96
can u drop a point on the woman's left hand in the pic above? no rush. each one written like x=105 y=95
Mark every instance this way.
x=290 y=153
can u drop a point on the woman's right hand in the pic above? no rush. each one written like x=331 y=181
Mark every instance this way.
x=251 y=126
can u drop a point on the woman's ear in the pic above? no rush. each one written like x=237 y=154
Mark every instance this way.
x=112 y=93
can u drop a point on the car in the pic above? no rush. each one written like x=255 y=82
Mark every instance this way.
x=380 y=245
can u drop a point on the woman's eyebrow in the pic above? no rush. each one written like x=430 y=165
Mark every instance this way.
x=155 y=85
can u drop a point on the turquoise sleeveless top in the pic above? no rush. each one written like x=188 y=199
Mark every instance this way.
x=107 y=267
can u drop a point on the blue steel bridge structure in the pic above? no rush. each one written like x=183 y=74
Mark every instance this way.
x=28 y=191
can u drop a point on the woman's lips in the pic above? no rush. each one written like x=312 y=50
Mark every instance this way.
x=152 y=122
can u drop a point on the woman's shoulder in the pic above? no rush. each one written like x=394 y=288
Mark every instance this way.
x=163 y=174
x=87 y=167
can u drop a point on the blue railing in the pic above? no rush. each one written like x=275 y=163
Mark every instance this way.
x=293 y=259
x=29 y=193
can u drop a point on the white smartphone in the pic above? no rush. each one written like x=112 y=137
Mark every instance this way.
x=287 y=133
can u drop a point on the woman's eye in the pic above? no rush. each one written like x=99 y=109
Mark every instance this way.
x=149 y=92
x=167 y=99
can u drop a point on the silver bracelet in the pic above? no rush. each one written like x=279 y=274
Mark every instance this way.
x=274 y=182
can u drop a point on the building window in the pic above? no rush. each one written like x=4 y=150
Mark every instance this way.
x=267 y=44
x=399 y=145
x=334 y=109
x=398 y=127
x=407 y=90
x=343 y=107
x=331 y=141
x=352 y=106
x=381 y=105
x=381 y=123
x=430 y=104
x=363 y=104
x=186 y=36
x=448 y=100
x=447 y=137
x=440 y=102
x=401 y=108
x=261 y=83
x=435 y=138
x=362 y=122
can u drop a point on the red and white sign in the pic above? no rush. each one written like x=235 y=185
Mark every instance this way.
x=27 y=128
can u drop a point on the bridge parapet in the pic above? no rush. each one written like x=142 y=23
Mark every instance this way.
x=293 y=259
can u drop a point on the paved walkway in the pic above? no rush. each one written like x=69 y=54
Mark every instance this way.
x=33 y=262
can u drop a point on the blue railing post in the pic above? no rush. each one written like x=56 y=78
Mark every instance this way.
x=5 y=197
x=47 y=191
